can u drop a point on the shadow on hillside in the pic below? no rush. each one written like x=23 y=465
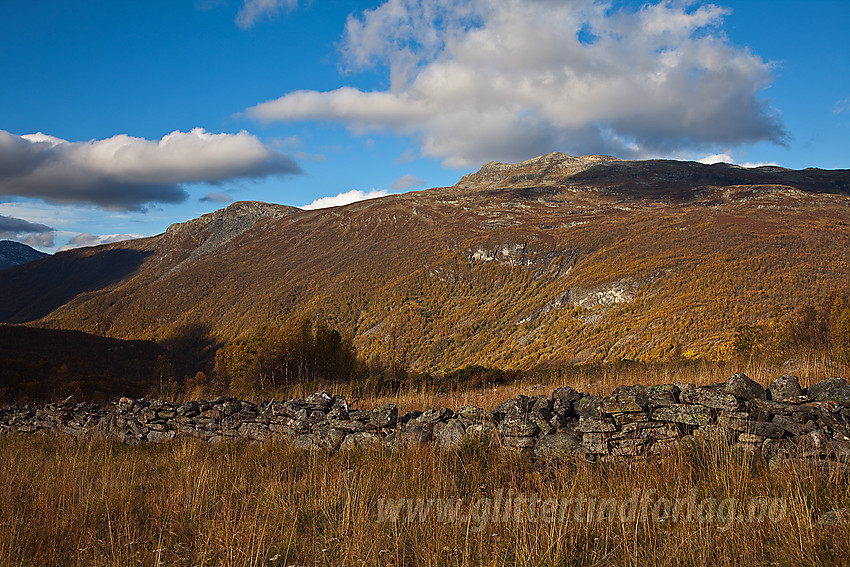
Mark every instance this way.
x=33 y=290
x=678 y=180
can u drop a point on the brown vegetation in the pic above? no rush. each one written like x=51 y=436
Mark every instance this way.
x=185 y=503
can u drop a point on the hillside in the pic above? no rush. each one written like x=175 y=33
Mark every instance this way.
x=50 y=364
x=14 y=254
x=556 y=259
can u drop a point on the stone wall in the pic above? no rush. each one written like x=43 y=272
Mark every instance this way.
x=783 y=422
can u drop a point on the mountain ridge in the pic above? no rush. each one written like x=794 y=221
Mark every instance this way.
x=516 y=265
x=15 y=253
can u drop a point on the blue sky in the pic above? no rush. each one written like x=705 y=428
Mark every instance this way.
x=120 y=118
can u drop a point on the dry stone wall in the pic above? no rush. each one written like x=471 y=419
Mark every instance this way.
x=783 y=422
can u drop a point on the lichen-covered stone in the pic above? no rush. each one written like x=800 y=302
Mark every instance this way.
x=520 y=404
x=471 y=413
x=762 y=428
x=625 y=399
x=416 y=435
x=320 y=400
x=484 y=432
x=743 y=387
x=520 y=426
x=840 y=395
x=328 y=438
x=557 y=445
x=363 y=439
x=789 y=424
x=450 y=433
x=817 y=429
x=588 y=406
x=305 y=441
x=710 y=398
x=661 y=395
x=595 y=425
x=566 y=394
x=346 y=425
x=786 y=388
x=820 y=390
x=775 y=447
x=430 y=417
x=595 y=444
x=684 y=414
x=621 y=419
x=160 y=436
x=627 y=447
x=384 y=416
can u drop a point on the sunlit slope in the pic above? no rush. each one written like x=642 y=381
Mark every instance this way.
x=551 y=260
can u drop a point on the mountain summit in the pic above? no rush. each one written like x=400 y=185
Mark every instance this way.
x=554 y=259
x=14 y=254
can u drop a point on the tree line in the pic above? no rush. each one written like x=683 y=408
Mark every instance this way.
x=270 y=357
x=814 y=326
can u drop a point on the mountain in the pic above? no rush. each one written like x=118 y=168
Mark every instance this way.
x=14 y=253
x=49 y=364
x=551 y=260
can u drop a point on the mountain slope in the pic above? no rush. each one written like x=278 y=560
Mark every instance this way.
x=14 y=254
x=551 y=260
x=50 y=364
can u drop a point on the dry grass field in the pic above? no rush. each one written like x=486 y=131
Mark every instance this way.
x=98 y=503
x=85 y=503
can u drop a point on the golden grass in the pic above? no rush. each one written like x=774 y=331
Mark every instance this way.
x=185 y=503
x=596 y=379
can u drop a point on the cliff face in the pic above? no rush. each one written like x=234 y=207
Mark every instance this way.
x=554 y=259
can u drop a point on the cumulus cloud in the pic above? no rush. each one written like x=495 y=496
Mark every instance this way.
x=88 y=239
x=406 y=156
x=716 y=158
x=40 y=240
x=510 y=79
x=32 y=233
x=253 y=10
x=217 y=198
x=345 y=199
x=407 y=182
x=126 y=173
x=726 y=158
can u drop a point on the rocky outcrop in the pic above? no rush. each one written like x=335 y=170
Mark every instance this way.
x=784 y=422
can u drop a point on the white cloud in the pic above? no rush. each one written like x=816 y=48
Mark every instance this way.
x=750 y=164
x=727 y=158
x=842 y=105
x=44 y=240
x=716 y=158
x=406 y=156
x=88 y=239
x=32 y=233
x=406 y=182
x=510 y=79
x=253 y=10
x=345 y=199
x=126 y=173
